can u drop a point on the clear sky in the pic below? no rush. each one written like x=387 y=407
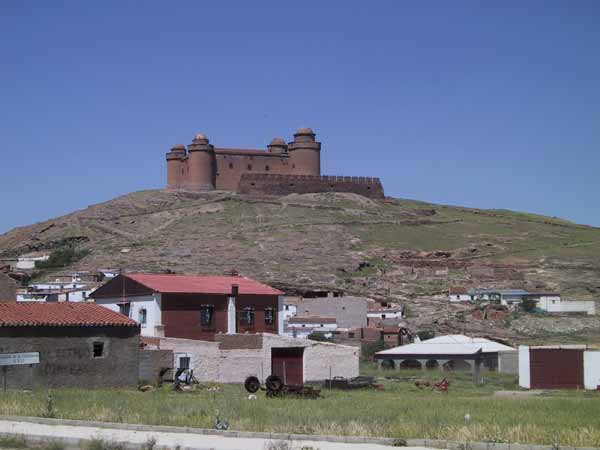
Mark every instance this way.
x=474 y=103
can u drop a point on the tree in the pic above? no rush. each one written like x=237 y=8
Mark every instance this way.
x=528 y=304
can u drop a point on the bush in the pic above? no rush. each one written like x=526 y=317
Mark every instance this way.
x=426 y=334
x=62 y=257
x=528 y=304
x=368 y=350
x=318 y=336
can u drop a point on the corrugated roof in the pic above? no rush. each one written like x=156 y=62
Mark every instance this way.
x=455 y=344
x=201 y=284
x=60 y=314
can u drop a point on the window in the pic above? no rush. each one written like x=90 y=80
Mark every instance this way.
x=98 y=349
x=269 y=316
x=350 y=335
x=267 y=168
x=248 y=316
x=142 y=316
x=249 y=166
x=184 y=362
x=207 y=313
x=231 y=165
x=124 y=308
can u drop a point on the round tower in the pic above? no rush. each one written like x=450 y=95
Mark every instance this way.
x=174 y=166
x=305 y=153
x=202 y=164
x=277 y=145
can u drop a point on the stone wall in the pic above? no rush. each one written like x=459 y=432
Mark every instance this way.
x=234 y=365
x=152 y=362
x=66 y=356
x=272 y=184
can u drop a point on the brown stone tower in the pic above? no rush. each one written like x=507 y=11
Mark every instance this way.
x=176 y=167
x=305 y=153
x=201 y=165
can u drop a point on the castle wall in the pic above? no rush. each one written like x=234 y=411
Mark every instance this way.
x=231 y=165
x=273 y=184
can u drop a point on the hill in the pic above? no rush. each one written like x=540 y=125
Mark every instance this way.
x=395 y=249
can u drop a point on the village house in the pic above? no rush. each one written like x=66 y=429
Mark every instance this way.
x=551 y=302
x=70 y=344
x=453 y=352
x=27 y=261
x=194 y=306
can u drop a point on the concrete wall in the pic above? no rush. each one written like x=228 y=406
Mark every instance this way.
x=508 y=362
x=350 y=312
x=524 y=372
x=212 y=363
x=591 y=369
x=66 y=356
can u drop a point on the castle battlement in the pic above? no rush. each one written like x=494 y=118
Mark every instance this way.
x=280 y=169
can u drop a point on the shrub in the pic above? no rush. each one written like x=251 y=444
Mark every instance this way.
x=528 y=304
x=368 y=350
x=62 y=257
x=318 y=336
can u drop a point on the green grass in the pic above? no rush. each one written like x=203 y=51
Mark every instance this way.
x=400 y=411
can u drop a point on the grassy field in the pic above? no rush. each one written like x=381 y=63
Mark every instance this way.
x=400 y=411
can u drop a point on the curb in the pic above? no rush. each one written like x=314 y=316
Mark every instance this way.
x=430 y=443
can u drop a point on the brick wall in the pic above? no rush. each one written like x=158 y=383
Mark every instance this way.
x=66 y=357
x=304 y=184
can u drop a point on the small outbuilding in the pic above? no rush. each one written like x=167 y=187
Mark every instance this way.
x=559 y=367
x=452 y=352
x=67 y=344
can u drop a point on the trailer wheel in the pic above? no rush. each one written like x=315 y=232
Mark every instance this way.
x=274 y=383
x=252 y=384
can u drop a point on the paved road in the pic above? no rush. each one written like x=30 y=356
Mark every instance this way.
x=183 y=440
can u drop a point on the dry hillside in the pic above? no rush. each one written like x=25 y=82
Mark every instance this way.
x=396 y=249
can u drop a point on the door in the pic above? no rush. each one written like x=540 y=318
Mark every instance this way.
x=556 y=368
x=288 y=364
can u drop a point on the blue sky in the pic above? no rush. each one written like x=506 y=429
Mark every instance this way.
x=482 y=104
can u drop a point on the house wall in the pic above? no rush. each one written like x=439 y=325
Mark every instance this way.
x=459 y=298
x=225 y=363
x=181 y=314
x=349 y=312
x=8 y=288
x=151 y=303
x=524 y=367
x=66 y=357
x=591 y=369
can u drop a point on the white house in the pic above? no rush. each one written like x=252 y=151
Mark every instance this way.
x=303 y=326
x=458 y=295
x=554 y=304
x=27 y=261
x=385 y=313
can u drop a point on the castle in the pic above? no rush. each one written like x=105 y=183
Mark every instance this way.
x=281 y=169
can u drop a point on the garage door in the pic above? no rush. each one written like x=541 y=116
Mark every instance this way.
x=287 y=363
x=556 y=368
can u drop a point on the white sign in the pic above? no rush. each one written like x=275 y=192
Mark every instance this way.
x=17 y=359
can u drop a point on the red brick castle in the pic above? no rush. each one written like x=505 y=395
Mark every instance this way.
x=281 y=169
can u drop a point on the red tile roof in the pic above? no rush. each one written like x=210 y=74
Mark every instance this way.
x=201 y=284
x=60 y=314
